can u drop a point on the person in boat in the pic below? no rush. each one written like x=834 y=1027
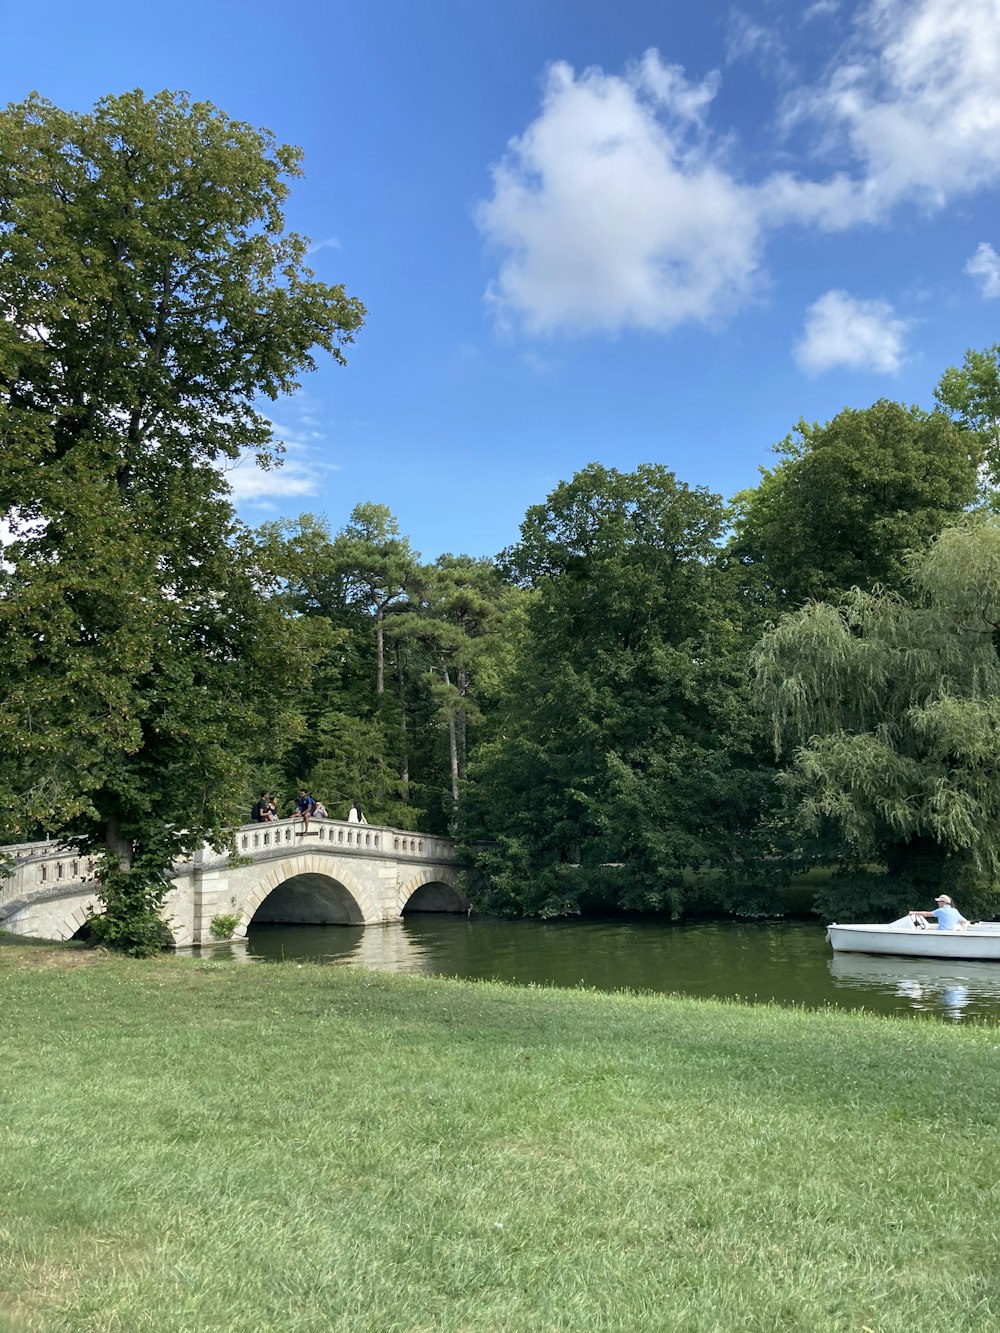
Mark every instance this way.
x=946 y=914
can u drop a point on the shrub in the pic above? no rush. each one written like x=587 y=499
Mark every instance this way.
x=871 y=896
x=224 y=924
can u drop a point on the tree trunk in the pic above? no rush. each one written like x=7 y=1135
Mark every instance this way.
x=463 y=685
x=404 y=758
x=379 y=651
x=452 y=743
x=118 y=848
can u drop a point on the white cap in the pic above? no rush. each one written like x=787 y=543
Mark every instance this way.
x=943 y=898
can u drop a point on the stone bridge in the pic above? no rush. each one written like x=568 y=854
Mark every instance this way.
x=340 y=873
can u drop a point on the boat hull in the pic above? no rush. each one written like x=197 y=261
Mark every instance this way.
x=980 y=943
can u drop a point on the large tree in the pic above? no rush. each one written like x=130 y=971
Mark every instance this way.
x=464 y=626
x=150 y=297
x=377 y=567
x=620 y=760
x=850 y=499
x=447 y=634
x=887 y=709
x=356 y=743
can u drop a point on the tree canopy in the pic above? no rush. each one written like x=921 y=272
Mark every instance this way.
x=150 y=298
x=971 y=393
x=888 y=709
x=617 y=761
x=850 y=499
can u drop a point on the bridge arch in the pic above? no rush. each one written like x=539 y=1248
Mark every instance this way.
x=77 y=917
x=437 y=889
x=76 y=921
x=309 y=890
x=49 y=915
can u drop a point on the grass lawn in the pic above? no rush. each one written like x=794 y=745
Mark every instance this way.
x=206 y=1147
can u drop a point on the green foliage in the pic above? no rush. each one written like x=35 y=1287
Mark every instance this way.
x=889 y=708
x=971 y=392
x=354 y=763
x=133 y=897
x=463 y=626
x=350 y=747
x=621 y=756
x=416 y=654
x=224 y=924
x=868 y=895
x=151 y=299
x=376 y=568
x=850 y=499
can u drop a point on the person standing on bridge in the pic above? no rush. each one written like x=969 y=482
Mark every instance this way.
x=355 y=816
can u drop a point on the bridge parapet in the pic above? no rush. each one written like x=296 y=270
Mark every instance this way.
x=43 y=865
x=356 y=839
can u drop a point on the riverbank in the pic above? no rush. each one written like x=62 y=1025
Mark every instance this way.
x=197 y=1145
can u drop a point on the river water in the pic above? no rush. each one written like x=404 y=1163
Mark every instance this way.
x=788 y=963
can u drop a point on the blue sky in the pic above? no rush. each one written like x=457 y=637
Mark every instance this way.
x=626 y=233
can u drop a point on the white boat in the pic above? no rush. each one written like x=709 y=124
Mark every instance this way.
x=910 y=940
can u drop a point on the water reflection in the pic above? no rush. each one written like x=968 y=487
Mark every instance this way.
x=761 y=962
x=390 y=948
x=935 y=985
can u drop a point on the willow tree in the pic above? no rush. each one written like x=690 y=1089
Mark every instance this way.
x=150 y=298
x=887 y=710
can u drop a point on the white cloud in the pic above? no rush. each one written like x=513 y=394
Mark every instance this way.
x=914 y=102
x=302 y=467
x=251 y=484
x=820 y=9
x=613 y=210
x=747 y=39
x=331 y=243
x=843 y=331
x=985 y=265
x=616 y=208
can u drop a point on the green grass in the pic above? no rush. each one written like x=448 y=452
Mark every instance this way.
x=203 y=1147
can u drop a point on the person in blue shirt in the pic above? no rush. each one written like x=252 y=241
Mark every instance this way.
x=304 y=807
x=947 y=915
